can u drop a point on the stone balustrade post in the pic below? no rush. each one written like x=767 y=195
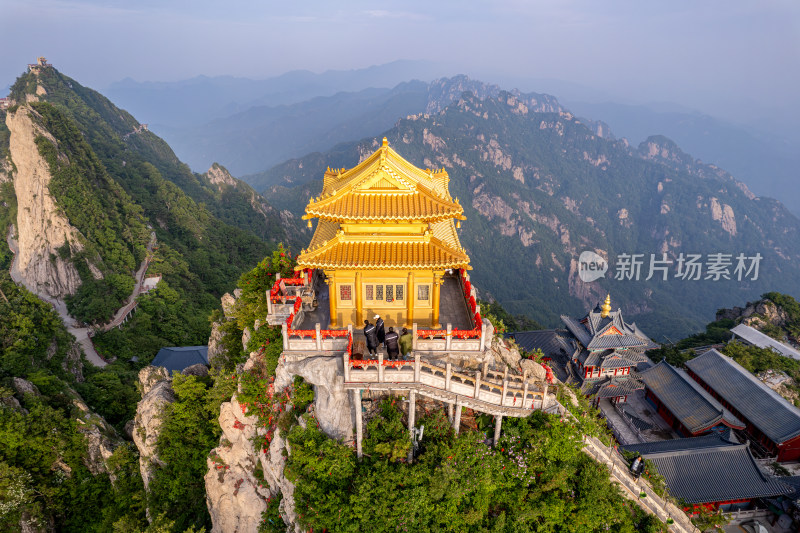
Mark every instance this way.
x=505 y=373
x=380 y=367
x=449 y=337
x=269 y=303
x=477 y=384
x=483 y=336
x=503 y=397
x=413 y=335
x=485 y=368
x=318 y=337
x=525 y=394
x=417 y=366
x=285 y=334
x=346 y=362
x=448 y=374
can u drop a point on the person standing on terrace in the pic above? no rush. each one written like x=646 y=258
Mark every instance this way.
x=392 y=347
x=406 y=343
x=381 y=331
x=371 y=334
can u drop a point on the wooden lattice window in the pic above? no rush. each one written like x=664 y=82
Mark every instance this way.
x=370 y=292
x=379 y=292
x=398 y=292
x=422 y=292
x=346 y=292
x=389 y=293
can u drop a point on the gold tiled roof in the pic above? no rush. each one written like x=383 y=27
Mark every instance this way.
x=384 y=214
x=340 y=253
x=355 y=206
x=385 y=187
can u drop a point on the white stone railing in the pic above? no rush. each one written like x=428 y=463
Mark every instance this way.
x=511 y=397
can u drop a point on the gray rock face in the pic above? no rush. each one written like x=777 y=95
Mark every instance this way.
x=534 y=370
x=157 y=394
x=23 y=387
x=246 y=335
x=215 y=348
x=72 y=363
x=99 y=444
x=505 y=355
x=149 y=376
x=331 y=400
x=228 y=303
x=236 y=498
x=41 y=227
x=199 y=370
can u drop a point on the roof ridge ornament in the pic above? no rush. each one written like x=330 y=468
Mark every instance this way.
x=606 y=308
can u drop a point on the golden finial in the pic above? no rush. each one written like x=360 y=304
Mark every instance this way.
x=606 y=308
x=385 y=142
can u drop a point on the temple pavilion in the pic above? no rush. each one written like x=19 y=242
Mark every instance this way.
x=385 y=239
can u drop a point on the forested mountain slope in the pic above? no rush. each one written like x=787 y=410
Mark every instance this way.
x=110 y=183
x=539 y=187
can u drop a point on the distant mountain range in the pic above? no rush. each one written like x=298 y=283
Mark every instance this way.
x=540 y=186
x=767 y=163
x=249 y=125
x=201 y=99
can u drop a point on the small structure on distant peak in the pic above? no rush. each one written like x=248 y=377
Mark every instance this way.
x=41 y=62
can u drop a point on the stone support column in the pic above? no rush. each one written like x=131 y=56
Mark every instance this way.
x=450 y=412
x=359 y=421
x=412 y=409
x=457 y=417
x=498 y=422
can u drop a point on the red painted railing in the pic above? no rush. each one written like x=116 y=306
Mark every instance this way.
x=301 y=278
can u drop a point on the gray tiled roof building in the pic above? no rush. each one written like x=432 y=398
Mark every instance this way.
x=181 y=357
x=710 y=469
x=683 y=403
x=770 y=419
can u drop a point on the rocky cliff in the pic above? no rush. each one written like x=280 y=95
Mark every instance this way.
x=242 y=479
x=156 y=389
x=42 y=230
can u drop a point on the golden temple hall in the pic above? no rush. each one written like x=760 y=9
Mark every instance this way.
x=385 y=239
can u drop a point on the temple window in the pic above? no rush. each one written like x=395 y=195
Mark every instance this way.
x=398 y=292
x=346 y=292
x=379 y=292
x=422 y=292
x=370 y=292
x=389 y=293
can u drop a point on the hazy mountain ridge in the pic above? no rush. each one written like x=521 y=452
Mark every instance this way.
x=761 y=158
x=540 y=187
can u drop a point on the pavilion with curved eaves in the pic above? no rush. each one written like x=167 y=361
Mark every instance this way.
x=385 y=240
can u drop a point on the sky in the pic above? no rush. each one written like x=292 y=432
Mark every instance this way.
x=715 y=56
